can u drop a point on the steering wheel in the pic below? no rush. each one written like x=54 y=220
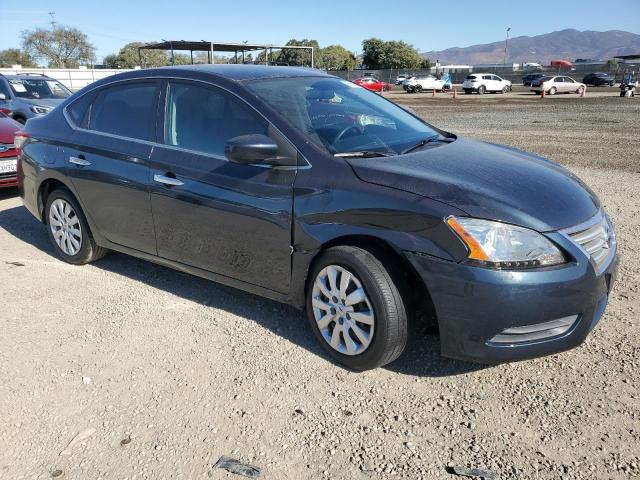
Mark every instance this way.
x=344 y=131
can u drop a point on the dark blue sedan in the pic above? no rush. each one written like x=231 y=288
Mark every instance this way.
x=304 y=188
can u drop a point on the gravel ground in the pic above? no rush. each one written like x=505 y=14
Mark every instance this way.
x=159 y=373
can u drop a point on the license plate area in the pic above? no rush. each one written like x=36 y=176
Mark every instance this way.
x=8 y=166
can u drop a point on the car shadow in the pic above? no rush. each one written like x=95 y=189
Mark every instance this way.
x=421 y=358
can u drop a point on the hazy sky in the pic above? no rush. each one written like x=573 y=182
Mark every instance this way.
x=112 y=23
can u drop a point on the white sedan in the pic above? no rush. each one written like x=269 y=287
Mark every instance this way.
x=429 y=82
x=559 y=84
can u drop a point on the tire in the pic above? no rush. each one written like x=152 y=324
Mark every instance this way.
x=385 y=337
x=468 y=92
x=553 y=91
x=579 y=91
x=505 y=89
x=20 y=119
x=417 y=89
x=80 y=248
x=481 y=90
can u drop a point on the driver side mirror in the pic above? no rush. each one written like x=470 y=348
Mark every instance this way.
x=255 y=149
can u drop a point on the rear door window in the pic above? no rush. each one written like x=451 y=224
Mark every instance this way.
x=127 y=110
x=203 y=118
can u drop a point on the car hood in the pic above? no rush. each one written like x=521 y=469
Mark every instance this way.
x=45 y=102
x=487 y=181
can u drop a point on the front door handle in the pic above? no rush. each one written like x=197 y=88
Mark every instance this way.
x=168 y=181
x=79 y=161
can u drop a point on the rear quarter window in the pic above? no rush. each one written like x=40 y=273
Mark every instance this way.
x=127 y=110
x=79 y=111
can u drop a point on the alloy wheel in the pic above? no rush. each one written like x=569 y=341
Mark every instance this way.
x=342 y=310
x=65 y=227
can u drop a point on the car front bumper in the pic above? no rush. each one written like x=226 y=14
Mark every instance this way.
x=494 y=316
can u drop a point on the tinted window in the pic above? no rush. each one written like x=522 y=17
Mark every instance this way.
x=78 y=111
x=4 y=89
x=203 y=118
x=486 y=77
x=471 y=77
x=126 y=110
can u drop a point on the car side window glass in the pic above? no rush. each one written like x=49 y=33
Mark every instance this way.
x=79 y=110
x=127 y=110
x=204 y=118
x=5 y=89
x=486 y=77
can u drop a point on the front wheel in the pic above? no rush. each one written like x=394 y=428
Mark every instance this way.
x=506 y=89
x=355 y=309
x=68 y=229
x=580 y=90
x=553 y=91
x=417 y=89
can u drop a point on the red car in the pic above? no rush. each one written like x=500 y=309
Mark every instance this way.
x=8 y=153
x=372 y=83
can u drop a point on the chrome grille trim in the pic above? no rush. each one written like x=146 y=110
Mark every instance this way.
x=596 y=238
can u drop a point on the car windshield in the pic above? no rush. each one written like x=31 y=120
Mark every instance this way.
x=341 y=116
x=38 y=88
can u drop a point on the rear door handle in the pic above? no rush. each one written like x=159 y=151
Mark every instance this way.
x=79 y=161
x=171 y=182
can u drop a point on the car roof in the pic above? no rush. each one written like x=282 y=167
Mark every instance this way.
x=231 y=72
x=13 y=76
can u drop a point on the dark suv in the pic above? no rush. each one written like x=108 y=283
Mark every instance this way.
x=599 y=79
x=29 y=95
x=308 y=189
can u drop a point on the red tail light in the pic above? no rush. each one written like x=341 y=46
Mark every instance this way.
x=19 y=140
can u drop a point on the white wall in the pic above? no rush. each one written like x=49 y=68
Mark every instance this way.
x=72 y=78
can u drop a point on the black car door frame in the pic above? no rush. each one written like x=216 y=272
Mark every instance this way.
x=226 y=218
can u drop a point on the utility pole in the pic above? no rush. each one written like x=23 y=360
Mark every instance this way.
x=506 y=47
x=53 y=19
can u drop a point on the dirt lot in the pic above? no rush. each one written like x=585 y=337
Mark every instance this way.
x=190 y=370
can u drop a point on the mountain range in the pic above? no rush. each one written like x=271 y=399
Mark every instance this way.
x=566 y=44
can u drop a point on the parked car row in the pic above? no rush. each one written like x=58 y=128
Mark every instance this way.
x=416 y=84
x=27 y=95
x=8 y=153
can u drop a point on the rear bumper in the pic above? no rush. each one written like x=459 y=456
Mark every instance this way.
x=547 y=311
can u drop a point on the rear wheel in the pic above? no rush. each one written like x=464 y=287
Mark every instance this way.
x=482 y=89
x=553 y=91
x=417 y=88
x=355 y=309
x=68 y=229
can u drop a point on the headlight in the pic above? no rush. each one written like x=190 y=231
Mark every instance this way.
x=40 y=110
x=500 y=245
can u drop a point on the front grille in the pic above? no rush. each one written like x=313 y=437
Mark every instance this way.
x=596 y=238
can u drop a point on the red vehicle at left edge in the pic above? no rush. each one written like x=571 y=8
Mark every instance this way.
x=8 y=152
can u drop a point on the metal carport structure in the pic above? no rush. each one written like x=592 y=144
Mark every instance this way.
x=215 y=47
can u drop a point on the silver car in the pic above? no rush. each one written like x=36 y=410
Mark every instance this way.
x=29 y=95
x=559 y=84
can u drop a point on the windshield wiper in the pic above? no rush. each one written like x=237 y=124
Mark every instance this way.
x=425 y=141
x=362 y=154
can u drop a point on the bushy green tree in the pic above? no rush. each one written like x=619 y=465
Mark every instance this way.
x=378 y=54
x=372 y=52
x=335 y=57
x=297 y=56
x=128 y=57
x=15 y=56
x=61 y=46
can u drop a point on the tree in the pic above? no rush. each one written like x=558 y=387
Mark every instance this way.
x=378 y=54
x=15 y=56
x=128 y=57
x=372 y=50
x=425 y=63
x=336 y=57
x=297 y=56
x=60 y=47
